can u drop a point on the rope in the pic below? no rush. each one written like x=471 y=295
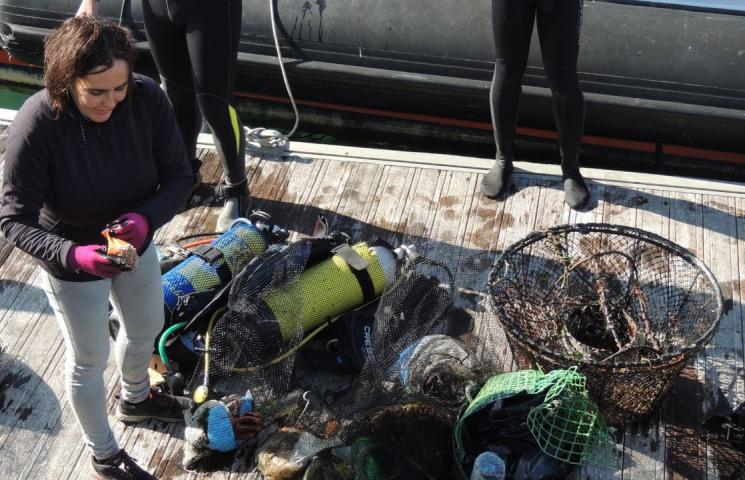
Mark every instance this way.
x=264 y=138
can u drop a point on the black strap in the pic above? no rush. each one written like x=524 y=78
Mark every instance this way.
x=213 y=255
x=359 y=267
x=223 y=190
x=730 y=426
x=379 y=242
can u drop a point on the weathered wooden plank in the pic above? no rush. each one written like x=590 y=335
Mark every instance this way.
x=25 y=300
x=423 y=200
x=385 y=219
x=29 y=405
x=294 y=192
x=166 y=460
x=479 y=245
x=724 y=356
x=327 y=197
x=19 y=382
x=451 y=222
x=686 y=453
x=65 y=453
x=304 y=213
x=15 y=274
x=517 y=221
x=148 y=438
x=446 y=224
x=738 y=289
x=644 y=444
x=268 y=181
x=552 y=210
x=390 y=219
x=469 y=275
x=358 y=200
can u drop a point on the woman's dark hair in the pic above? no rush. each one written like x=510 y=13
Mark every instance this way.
x=78 y=47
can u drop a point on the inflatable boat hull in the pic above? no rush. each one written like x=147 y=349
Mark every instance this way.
x=666 y=72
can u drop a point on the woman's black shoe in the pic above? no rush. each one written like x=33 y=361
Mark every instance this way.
x=157 y=405
x=120 y=467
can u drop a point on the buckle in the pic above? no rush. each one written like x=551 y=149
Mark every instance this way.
x=734 y=433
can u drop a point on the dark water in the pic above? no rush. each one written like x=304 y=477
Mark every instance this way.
x=13 y=96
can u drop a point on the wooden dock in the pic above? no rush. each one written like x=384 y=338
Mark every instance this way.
x=432 y=201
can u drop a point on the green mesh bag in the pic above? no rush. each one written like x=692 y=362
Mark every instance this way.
x=568 y=425
x=496 y=388
x=564 y=423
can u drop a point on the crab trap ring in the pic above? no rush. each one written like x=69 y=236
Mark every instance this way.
x=626 y=306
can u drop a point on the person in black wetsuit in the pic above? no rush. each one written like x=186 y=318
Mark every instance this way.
x=559 y=24
x=195 y=47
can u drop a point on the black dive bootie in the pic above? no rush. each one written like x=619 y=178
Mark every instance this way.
x=495 y=182
x=237 y=204
x=576 y=194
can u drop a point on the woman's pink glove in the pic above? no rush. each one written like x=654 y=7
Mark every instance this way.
x=89 y=259
x=132 y=228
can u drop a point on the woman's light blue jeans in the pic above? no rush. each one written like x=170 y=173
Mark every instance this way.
x=82 y=311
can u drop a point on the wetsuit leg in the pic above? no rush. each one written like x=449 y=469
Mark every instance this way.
x=559 y=25
x=512 y=22
x=212 y=38
x=169 y=49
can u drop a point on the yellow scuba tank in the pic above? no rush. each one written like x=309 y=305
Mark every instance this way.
x=350 y=278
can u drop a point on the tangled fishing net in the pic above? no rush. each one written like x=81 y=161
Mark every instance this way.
x=246 y=347
x=626 y=306
x=394 y=415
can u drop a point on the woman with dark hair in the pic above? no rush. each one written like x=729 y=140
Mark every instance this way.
x=559 y=24
x=98 y=146
x=195 y=46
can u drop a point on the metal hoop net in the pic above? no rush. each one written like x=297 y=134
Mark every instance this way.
x=627 y=307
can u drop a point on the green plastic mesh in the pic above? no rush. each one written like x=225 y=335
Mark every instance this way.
x=504 y=386
x=566 y=426
x=496 y=388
